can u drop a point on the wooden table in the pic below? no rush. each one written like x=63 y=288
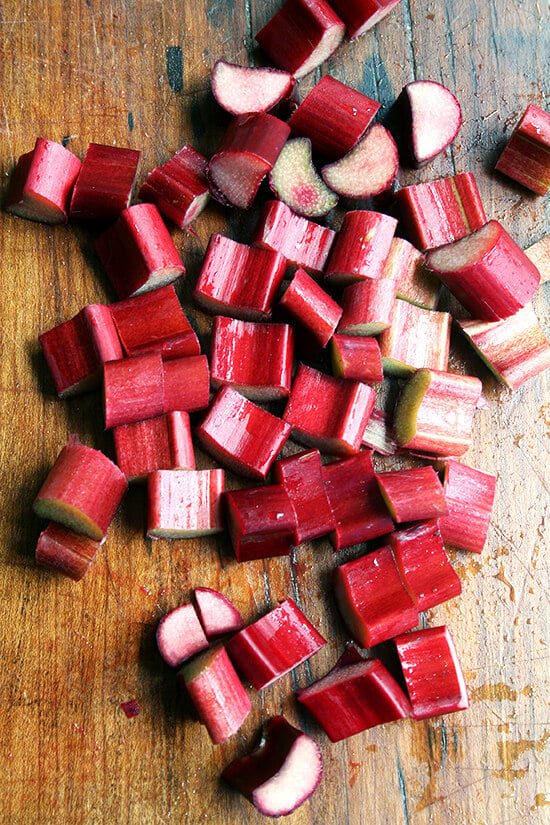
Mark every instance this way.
x=91 y=70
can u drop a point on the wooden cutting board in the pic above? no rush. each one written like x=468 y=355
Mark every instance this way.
x=137 y=74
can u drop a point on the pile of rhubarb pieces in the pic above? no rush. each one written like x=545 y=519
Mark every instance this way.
x=311 y=318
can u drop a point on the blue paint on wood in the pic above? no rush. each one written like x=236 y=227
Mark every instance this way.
x=130 y=121
x=174 y=68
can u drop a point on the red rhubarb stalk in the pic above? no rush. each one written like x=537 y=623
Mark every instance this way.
x=412 y=495
x=302 y=477
x=367 y=307
x=105 y=183
x=415 y=282
x=162 y=443
x=186 y=384
x=356 y=358
x=526 y=156
x=179 y=188
x=431 y=116
x=218 y=615
x=180 y=635
x=368 y=169
x=261 y=522
x=361 y=247
x=184 y=503
x=539 y=254
x=295 y=181
x=242 y=89
x=469 y=494
x=416 y=338
x=133 y=389
x=378 y=433
x=314 y=310
x=65 y=552
x=361 y=15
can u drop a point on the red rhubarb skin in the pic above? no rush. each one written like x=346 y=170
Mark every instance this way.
x=361 y=247
x=238 y=280
x=261 y=522
x=357 y=359
x=311 y=307
x=179 y=188
x=240 y=435
x=361 y=15
x=470 y=494
x=218 y=615
x=133 y=389
x=65 y=552
x=432 y=672
x=416 y=338
x=334 y=117
x=368 y=304
x=180 y=635
x=354 y=698
x=186 y=384
x=526 y=157
x=372 y=598
x=413 y=495
x=274 y=645
x=105 y=183
x=254 y=358
x=415 y=282
x=302 y=477
x=185 y=501
x=162 y=443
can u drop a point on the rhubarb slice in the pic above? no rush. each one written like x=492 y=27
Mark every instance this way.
x=302 y=477
x=105 y=183
x=295 y=181
x=415 y=282
x=416 y=338
x=65 y=552
x=242 y=89
x=218 y=615
x=432 y=118
x=133 y=389
x=367 y=307
x=184 y=503
x=539 y=254
x=180 y=635
x=179 y=188
x=368 y=169
x=261 y=522
x=361 y=247
x=526 y=157
x=314 y=310
x=378 y=433
x=413 y=495
x=470 y=495
x=186 y=384
x=162 y=443
x=356 y=358
x=361 y=15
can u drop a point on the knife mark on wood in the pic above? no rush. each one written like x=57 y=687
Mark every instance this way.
x=403 y=792
x=174 y=68
x=130 y=121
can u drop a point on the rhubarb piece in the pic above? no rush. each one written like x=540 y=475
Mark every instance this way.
x=539 y=254
x=261 y=522
x=441 y=211
x=248 y=151
x=217 y=614
x=361 y=247
x=274 y=645
x=367 y=307
x=180 y=635
x=82 y=490
x=432 y=672
x=315 y=311
x=378 y=434
x=240 y=435
x=295 y=181
x=66 y=552
x=359 y=511
x=179 y=188
x=131 y=708
x=302 y=477
x=416 y=338
x=240 y=89
x=154 y=322
x=162 y=443
x=361 y=15
x=221 y=701
x=469 y=494
x=415 y=282
x=373 y=601
x=301 y=35
x=422 y=562
x=356 y=358
x=138 y=253
x=526 y=156
x=239 y=280
x=368 y=169
x=328 y=413
x=432 y=118
x=487 y=271
x=105 y=183
x=334 y=117
x=413 y=495
x=76 y=350
x=42 y=183
x=303 y=243
x=184 y=503
x=515 y=349
x=281 y=773
x=255 y=359
x=133 y=389
x=435 y=412
x=186 y=384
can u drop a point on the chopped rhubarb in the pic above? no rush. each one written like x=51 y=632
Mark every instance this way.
x=217 y=614
x=368 y=169
x=42 y=183
x=415 y=282
x=274 y=645
x=82 y=490
x=186 y=384
x=184 y=503
x=138 y=253
x=431 y=117
x=179 y=188
x=302 y=477
x=133 y=389
x=469 y=494
x=413 y=495
x=526 y=157
x=367 y=307
x=65 y=552
x=162 y=443
x=301 y=35
x=361 y=15
x=355 y=697
x=539 y=254
x=416 y=338
x=356 y=358
x=432 y=672
x=180 y=635
x=241 y=436
x=281 y=773
x=242 y=89
x=261 y=522
x=314 y=310
x=105 y=183
x=378 y=434
x=255 y=359
x=361 y=247
x=295 y=181
x=131 y=708
x=372 y=599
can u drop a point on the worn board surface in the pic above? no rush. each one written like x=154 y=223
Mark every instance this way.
x=137 y=74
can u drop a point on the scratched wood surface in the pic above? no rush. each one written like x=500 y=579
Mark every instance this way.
x=136 y=73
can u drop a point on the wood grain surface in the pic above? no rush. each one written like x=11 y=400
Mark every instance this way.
x=136 y=73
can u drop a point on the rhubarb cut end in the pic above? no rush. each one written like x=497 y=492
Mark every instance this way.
x=161 y=277
x=328 y=44
x=236 y=177
x=243 y=89
x=294 y=783
x=435 y=119
x=295 y=181
x=69 y=516
x=411 y=398
x=368 y=169
x=466 y=251
x=33 y=207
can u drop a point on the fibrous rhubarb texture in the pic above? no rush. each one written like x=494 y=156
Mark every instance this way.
x=82 y=490
x=379 y=435
x=373 y=601
x=435 y=412
x=186 y=384
x=255 y=359
x=133 y=389
x=412 y=495
x=248 y=151
x=42 y=183
x=368 y=169
x=354 y=698
x=359 y=511
x=469 y=494
x=487 y=271
x=526 y=157
x=334 y=117
x=281 y=773
x=65 y=552
x=416 y=338
x=105 y=183
x=295 y=181
x=539 y=254
x=274 y=645
x=361 y=247
x=261 y=522
x=184 y=503
x=415 y=282
x=361 y=15
x=241 y=436
x=242 y=89
x=432 y=672
x=431 y=117
x=301 y=35
x=302 y=477
x=356 y=358
x=138 y=253
x=515 y=349
x=218 y=615
x=441 y=211
x=179 y=188
x=367 y=307
x=180 y=635
x=239 y=280
x=328 y=413
x=162 y=443
x=314 y=310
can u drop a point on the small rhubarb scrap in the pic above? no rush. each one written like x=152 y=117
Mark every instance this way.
x=367 y=307
x=261 y=522
x=180 y=635
x=378 y=433
x=368 y=169
x=361 y=247
x=65 y=552
x=162 y=443
x=179 y=188
x=218 y=615
x=415 y=282
x=315 y=311
x=357 y=358
x=184 y=503
x=105 y=183
x=361 y=15
x=242 y=89
x=526 y=156
x=413 y=495
x=416 y=338
x=294 y=180
x=302 y=477
x=432 y=118
x=470 y=494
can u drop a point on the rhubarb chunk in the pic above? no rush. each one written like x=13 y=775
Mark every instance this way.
x=413 y=495
x=315 y=311
x=179 y=188
x=261 y=522
x=526 y=157
x=378 y=433
x=302 y=477
x=356 y=358
x=105 y=183
x=469 y=494
x=217 y=614
x=416 y=338
x=180 y=635
x=162 y=443
x=415 y=282
x=361 y=15
x=367 y=307
x=242 y=89
x=432 y=118
x=186 y=384
x=368 y=169
x=295 y=181
x=184 y=503
x=65 y=552
x=133 y=389
x=361 y=247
